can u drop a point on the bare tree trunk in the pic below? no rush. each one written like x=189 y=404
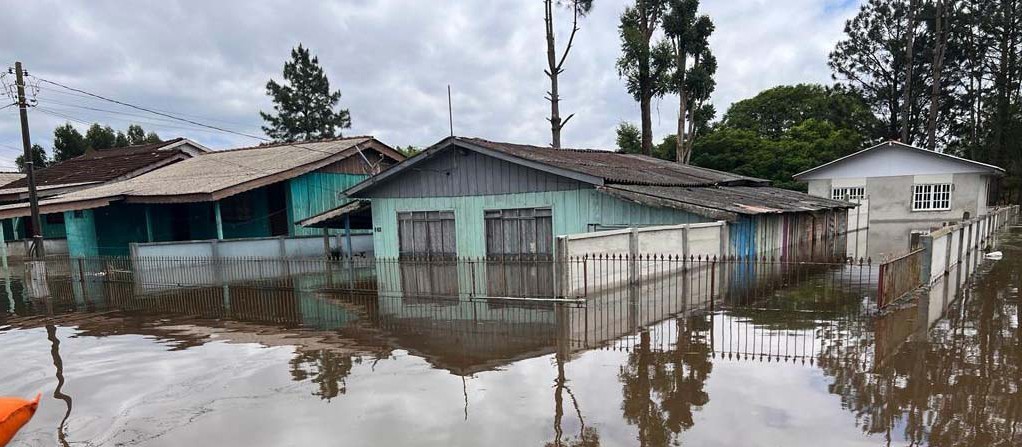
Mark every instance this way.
x=906 y=103
x=679 y=141
x=690 y=139
x=646 y=79
x=940 y=40
x=555 y=68
x=555 y=113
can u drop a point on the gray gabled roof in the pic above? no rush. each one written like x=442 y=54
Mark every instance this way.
x=993 y=169
x=596 y=167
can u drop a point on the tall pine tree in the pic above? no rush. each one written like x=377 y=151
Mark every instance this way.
x=304 y=104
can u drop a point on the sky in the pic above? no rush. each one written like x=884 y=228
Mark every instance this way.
x=391 y=59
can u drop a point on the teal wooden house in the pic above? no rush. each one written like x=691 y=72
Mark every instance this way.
x=469 y=197
x=250 y=192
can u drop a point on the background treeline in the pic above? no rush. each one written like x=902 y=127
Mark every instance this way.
x=940 y=74
x=69 y=143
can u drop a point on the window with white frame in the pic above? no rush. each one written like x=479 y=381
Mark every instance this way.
x=850 y=193
x=931 y=197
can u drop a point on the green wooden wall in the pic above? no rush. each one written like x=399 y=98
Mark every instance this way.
x=573 y=212
x=81 y=233
x=314 y=193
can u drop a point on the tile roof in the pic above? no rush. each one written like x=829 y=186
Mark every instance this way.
x=615 y=167
x=103 y=165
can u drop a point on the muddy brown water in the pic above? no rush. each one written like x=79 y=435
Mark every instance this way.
x=118 y=365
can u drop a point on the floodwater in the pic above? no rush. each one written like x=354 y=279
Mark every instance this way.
x=807 y=364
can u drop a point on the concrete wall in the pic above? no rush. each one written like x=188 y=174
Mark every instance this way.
x=702 y=240
x=264 y=247
x=949 y=246
x=890 y=198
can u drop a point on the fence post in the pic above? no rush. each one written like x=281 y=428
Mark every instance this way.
x=723 y=238
x=947 y=252
x=684 y=240
x=926 y=243
x=561 y=268
x=633 y=278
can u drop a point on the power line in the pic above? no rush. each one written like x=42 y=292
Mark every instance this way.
x=144 y=109
x=76 y=95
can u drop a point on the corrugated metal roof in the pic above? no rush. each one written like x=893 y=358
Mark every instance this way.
x=614 y=167
x=199 y=177
x=319 y=220
x=214 y=171
x=734 y=199
x=8 y=177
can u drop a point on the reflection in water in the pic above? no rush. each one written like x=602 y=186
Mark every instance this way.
x=661 y=389
x=324 y=368
x=957 y=383
x=656 y=368
x=58 y=363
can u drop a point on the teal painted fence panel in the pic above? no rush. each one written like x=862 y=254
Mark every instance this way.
x=314 y=193
x=81 y=233
x=574 y=211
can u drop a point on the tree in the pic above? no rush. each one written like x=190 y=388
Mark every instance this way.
x=772 y=112
x=408 y=151
x=100 y=137
x=151 y=138
x=121 y=140
x=304 y=104
x=555 y=65
x=68 y=143
x=785 y=130
x=135 y=135
x=873 y=61
x=629 y=141
x=644 y=79
x=38 y=158
x=686 y=36
x=629 y=138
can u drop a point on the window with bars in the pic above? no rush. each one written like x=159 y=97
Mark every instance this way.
x=848 y=194
x=426 y=233
x=931 y=197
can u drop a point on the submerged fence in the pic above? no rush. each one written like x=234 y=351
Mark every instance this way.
x=899 y=276
x=949 y=246
x=698 y=279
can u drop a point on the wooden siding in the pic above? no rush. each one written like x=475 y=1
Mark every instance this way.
x=81 y=233
x=574 y=211
x=456 y=174
x=314 y=193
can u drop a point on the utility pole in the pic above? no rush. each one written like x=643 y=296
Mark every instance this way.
x=38 y=253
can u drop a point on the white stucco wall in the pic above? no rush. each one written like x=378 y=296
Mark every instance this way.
x=888 y=174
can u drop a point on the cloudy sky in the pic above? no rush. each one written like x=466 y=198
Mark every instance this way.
x=392 y=60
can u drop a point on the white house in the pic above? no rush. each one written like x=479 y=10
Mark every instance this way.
x=904 y=188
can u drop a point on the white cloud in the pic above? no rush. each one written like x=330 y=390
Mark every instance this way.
x=392 y=60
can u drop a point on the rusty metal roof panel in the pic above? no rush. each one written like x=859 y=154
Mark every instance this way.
x=619 y=168
x=747 y=200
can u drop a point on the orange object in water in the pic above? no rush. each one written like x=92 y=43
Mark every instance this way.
x=14 y=413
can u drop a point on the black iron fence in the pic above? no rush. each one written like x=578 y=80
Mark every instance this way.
x=698 y=279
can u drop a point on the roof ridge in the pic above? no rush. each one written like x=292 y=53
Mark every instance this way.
x=295 y=144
